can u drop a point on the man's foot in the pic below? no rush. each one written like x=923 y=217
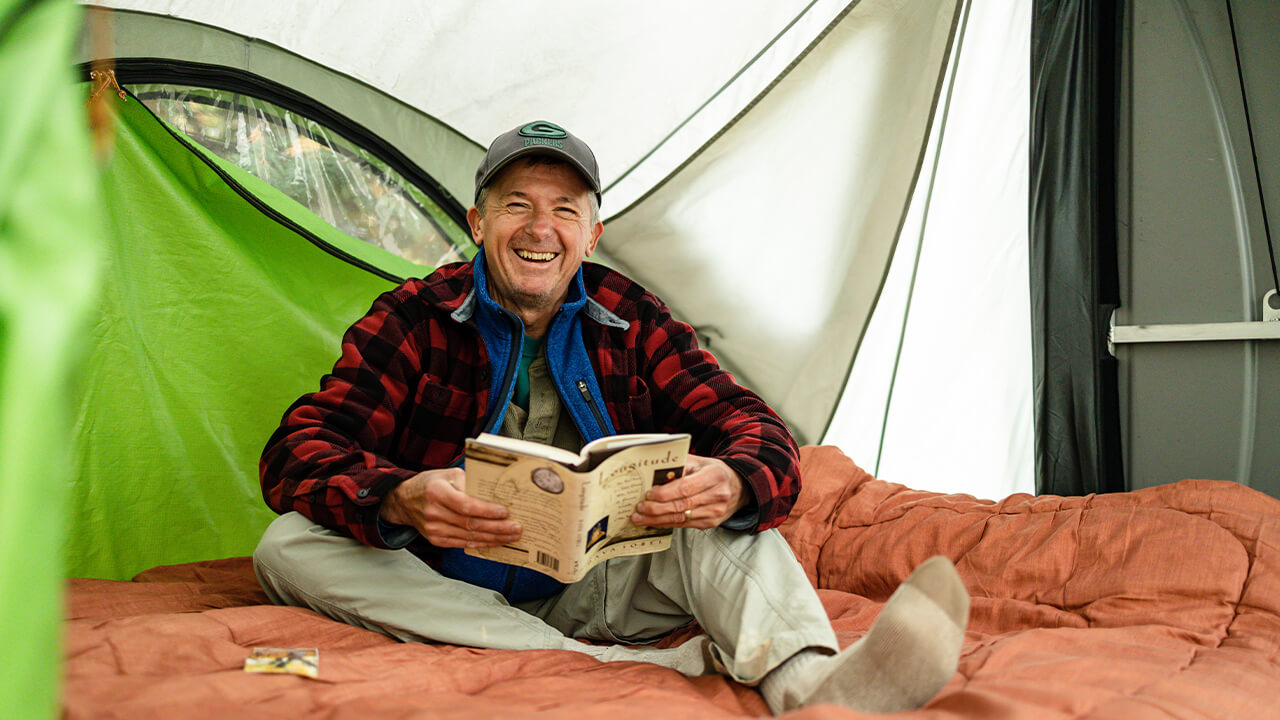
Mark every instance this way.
x=908 y=655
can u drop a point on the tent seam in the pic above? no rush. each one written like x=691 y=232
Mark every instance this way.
x=745 y=109
x=719 y=92
x=952 y=47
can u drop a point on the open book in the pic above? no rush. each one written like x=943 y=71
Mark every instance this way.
x=575 y=508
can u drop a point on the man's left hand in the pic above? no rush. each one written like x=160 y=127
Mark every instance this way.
x=709 y=493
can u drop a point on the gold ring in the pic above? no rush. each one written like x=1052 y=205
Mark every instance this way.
x=687 y=515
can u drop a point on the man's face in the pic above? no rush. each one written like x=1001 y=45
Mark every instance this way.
x=534 y=230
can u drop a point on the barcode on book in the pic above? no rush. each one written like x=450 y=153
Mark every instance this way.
x=550 y=561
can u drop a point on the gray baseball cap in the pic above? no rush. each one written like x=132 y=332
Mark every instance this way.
x=538 y=138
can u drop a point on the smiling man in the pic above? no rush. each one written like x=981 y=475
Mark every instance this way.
x=535 y=225
x=530 y=341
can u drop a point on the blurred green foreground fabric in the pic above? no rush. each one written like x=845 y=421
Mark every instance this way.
x=51 y=240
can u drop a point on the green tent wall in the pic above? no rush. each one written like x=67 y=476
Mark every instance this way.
x=223 y=301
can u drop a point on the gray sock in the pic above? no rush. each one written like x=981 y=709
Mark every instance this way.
x=908 y=655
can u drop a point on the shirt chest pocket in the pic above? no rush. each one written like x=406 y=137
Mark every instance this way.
x=637 y=411
x=440 y=420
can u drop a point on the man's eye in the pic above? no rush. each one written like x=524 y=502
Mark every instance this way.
x=566 y=212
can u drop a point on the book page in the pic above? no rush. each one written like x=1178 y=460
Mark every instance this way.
x=596 y=451
x=622 y=481
x=545 y=498
x=517 y=446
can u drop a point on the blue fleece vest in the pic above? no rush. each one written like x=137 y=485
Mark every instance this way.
x=575 y=382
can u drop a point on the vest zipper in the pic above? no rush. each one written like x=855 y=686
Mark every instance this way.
x=591 y=403
x=508 y=379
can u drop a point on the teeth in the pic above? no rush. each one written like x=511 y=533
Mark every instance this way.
x=536 y=256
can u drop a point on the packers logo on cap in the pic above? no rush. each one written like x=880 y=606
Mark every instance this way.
x=536 y=137
x=543 y=129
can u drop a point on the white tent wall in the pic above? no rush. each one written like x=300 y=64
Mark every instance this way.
x=774 y=241
x=940 y=393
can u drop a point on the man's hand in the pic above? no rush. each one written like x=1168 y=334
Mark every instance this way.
x=710 y=491
x=434 y=502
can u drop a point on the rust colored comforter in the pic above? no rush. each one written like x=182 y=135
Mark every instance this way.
x=1159 y=603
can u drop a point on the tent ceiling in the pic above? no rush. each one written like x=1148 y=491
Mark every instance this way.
x=623 y=79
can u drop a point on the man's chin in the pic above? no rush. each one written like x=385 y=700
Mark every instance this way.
x=525 y=300
x=530 y=295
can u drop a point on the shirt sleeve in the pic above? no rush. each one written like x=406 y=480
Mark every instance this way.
x=692 y=393
x=327 y=459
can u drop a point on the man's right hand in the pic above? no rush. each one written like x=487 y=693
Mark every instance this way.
x=434 y=502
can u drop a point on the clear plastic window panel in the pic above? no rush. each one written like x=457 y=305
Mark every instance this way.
x=341 y=182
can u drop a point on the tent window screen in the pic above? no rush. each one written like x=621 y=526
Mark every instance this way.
x=342 y=183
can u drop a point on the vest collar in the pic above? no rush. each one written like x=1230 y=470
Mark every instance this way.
x=577 y=301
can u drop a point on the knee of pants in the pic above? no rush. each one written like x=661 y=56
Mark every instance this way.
x=292 y=554
x=745 y=546
x=282 y=532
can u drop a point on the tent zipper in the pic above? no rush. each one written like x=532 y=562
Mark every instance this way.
x=218 y=77
x=269 y=211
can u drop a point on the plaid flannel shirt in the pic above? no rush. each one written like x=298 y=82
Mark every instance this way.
x=413 y=383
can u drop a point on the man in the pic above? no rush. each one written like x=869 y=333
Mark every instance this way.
x=530 y=342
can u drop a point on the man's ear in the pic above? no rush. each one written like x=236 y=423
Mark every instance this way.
x=596 y=232
x=473 y=220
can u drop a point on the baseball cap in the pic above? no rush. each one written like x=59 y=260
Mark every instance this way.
x=538 y=138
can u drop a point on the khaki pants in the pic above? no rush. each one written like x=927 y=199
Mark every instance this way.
x=747 y=591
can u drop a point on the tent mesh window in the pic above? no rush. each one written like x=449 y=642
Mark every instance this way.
x=342 y=183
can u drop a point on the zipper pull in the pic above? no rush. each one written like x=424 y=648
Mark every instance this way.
x=591 y=403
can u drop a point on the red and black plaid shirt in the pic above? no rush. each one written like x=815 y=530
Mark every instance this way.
x=413 y=384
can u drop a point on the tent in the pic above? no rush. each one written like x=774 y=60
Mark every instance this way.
x=845 y=198
x=197 y=375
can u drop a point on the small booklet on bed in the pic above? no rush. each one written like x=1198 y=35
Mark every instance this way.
x=574 y=508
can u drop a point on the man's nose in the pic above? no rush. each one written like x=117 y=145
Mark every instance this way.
x=540 y=223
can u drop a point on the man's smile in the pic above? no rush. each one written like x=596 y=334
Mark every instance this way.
x=536 y=256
